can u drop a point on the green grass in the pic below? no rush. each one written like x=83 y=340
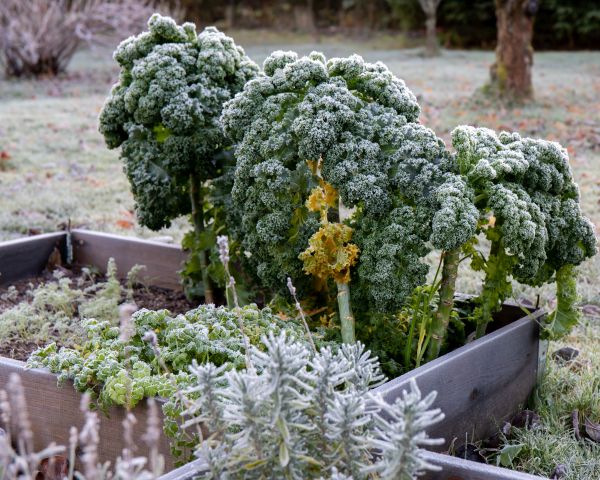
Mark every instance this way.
x=59 y=169
x=565 y=388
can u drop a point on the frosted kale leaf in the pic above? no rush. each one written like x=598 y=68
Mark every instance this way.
x=164 y=111
x=526 y=188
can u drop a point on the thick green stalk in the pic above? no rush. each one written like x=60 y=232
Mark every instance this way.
x=198 y=220
x=566 y=315
x=441 y=318
x=343 y=296
x=346 y=315
x=496 y=287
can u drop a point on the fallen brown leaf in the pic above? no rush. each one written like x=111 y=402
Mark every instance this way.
x=592 y=429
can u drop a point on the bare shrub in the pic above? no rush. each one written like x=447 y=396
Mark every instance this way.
x=39 y=37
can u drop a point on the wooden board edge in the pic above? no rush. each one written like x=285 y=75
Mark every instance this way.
x=28 y=256
x=32 y=239
x=186 y=472
x=162 y=261
x=450 y=468
x=454 y=468
x=450 y=356
x=41 y=387
x=82 y=234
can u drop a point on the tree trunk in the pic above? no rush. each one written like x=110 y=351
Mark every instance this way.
x=304 y=19
x=431 y=43
x=430 y=7
x=230 y=14
x=511 y=73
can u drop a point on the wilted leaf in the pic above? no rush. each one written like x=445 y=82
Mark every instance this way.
x=575 y=422
x=509 y=453
x=592 y=430
x=565 y=354
x=53 y=468
x=126 y=224
x=526 y=419
x=559 y=472
x=469 y=452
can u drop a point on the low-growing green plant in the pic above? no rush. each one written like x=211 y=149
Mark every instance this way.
x=299 y=414
x=54 y=309
x=121 y=368
x=117 y=365
x=163 y=115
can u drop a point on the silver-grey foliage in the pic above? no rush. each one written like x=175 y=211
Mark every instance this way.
x=298 y=414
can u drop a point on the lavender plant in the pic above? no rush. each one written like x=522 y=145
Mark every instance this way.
x=163 y=115
x=299 y=414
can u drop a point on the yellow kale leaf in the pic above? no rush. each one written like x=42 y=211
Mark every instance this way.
x=330 y=253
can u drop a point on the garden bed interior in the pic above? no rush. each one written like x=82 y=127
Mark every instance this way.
x=53 y=410
x=479 y=385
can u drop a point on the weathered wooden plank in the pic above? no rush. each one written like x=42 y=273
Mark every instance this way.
x=480 y=384
x=188 y=471
x=24 y=257
x=453 y=468
x=53 y=410
x=162 y=261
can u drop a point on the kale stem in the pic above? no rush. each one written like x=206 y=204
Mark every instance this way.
x=346 y=315
x=343 y=296
x=441 y=318
x=496 y=286
x=199 y=227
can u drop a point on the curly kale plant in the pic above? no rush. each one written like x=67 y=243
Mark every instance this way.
x=163 y=115
x=121 y=369
x=529 y=208
x=302 y=415
x=347 y=129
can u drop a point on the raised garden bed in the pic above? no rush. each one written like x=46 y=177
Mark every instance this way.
x=479 y=385
x=54 y=409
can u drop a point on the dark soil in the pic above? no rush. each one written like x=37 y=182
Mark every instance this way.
x=145 y=296
x=18 y=349
x=156 y=298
